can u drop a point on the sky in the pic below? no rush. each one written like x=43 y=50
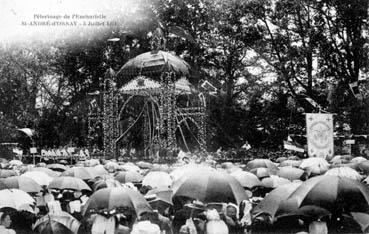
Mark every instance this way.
x=60 y=18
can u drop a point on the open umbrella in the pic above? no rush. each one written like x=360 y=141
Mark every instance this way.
x=128 y=177
x=16 y=163
x=271 y=202
x=157 y=179
x=57 y=223
x=315 y=165
x=333 y=193
x=261 y=172
x=84 y=173
x=23 y=183
x=40 y=177
x=257 y=163
x=15 y=198
x=359 y=160
x=144 y=165
x=246 y=179
x=274 y=181
x=67 y=182
x=292 y=163
x=344 y=172
x=187 y=169
x=109 y=199
x=48 y=171
x=107 y=183
x=290 y=173
x=112 y=166
x=57 y=167
x=6 y=173
x=130 y=167
x=160 y=199
x=210 y=186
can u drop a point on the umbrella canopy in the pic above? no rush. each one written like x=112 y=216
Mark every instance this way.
x=274 y=182
x=346 y=172
x=290 y=173
x=187 y=169
x=15 y=163
x=84 y=173
x=315 y=165
x=210 y=186
x=363 y=167
x=108 y=183
x=153 y=63
x=57 y=167
x=261 y=172
x=362 y=219
x=40 y=177
x=130 y=167
x=271 y=202
x=15 y=198
x=129 y=177
x=48 y=171
x=99 y=170
x=23 y=183
x=7 y=173
x=292 y=163
x=108 y=199
x=157 y=179
x=67 y=182
x=359 y=160
x=257 y=163
x=144 y=165
x=246 y=179
x=333 y=193
x=59 y=222
x=160 y=199
x=112 y=166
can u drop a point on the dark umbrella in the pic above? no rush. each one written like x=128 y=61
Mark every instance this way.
x=109 y=199
x=333 y=193
x=57 y=167
x=271 y=202
x=58 y=223
x=210 y=186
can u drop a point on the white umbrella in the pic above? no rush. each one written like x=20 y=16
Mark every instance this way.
x=15 y=198
x=39 y=176
x=157 y=179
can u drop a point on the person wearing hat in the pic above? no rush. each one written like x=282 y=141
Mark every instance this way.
x=191 y=210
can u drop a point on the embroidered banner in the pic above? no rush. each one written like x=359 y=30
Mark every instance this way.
x=319 y=131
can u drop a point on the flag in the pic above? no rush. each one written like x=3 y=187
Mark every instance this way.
x=29 y=132
x=354 y=86
x=208 y=87
x=319 y=131
x=288 y=145
x=313 y=103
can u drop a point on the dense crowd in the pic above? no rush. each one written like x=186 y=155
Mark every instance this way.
x=196 y=194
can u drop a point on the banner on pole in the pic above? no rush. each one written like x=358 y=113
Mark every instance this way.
x=319 y=131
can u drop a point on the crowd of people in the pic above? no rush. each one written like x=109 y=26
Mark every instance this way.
x=111 y=196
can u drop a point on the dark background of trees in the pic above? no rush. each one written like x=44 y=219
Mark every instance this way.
x=306 y=48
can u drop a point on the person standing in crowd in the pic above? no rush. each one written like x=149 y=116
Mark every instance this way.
x=5 y=222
